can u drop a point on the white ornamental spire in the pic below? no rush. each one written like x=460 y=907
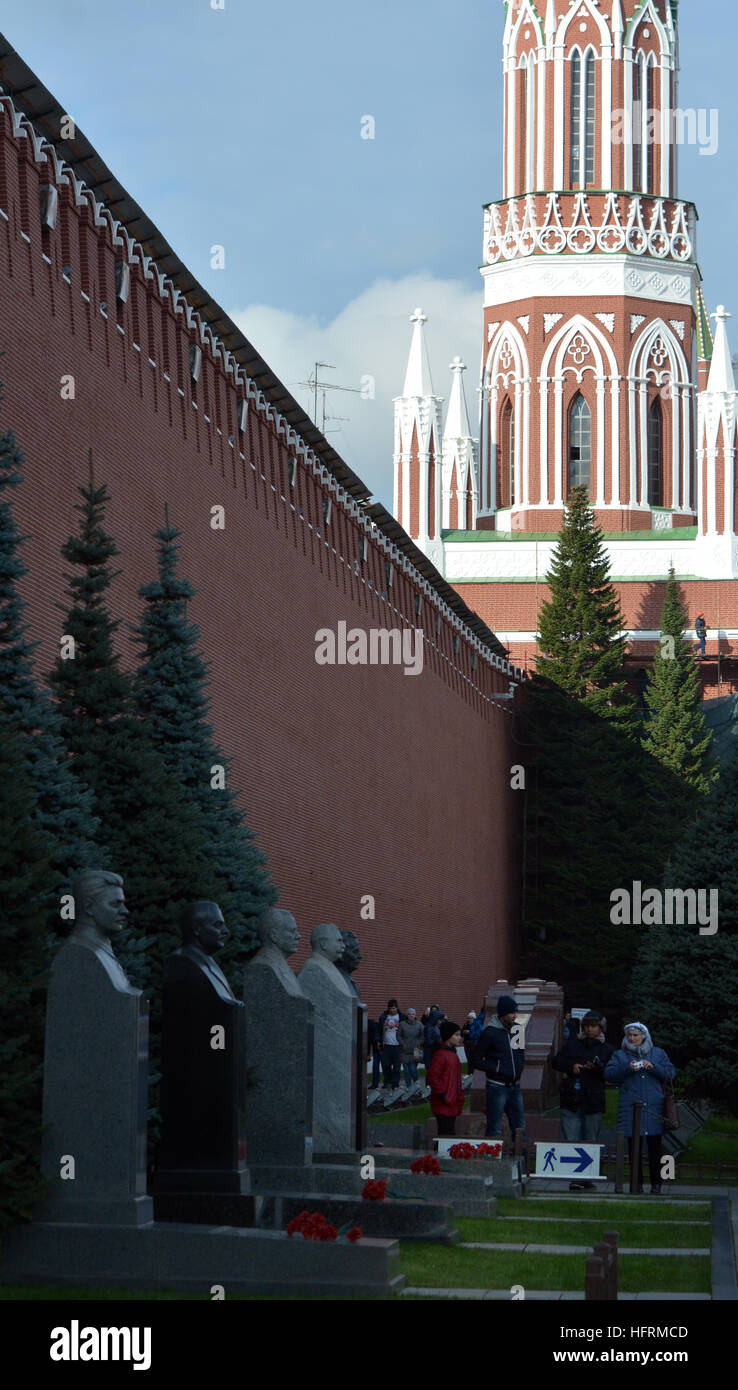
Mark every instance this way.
x=418 y=376
x=618 y=25
x=551 y=20
x=457 y=419
x=721 y=378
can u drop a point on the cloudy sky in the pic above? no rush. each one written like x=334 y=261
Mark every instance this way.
x=241 y=127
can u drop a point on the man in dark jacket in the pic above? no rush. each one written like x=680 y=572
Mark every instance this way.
x=503 y=1065
x=583 y=1061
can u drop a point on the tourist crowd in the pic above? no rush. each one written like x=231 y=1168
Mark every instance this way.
x=399 y=1041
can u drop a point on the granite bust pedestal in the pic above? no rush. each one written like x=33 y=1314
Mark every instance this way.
x=95 y=1069
x=349 y=962
x=335 y=1073
x=279 y=1049
x=203 y=1140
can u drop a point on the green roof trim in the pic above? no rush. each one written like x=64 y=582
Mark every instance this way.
x=677 y=533
x=704 y=331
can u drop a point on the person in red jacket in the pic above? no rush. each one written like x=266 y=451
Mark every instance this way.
x=444 y=1079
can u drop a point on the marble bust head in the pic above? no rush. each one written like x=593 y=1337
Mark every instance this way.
x=327 y=941
x=202 y=925
x=278 y=928
x=351 y=951
x=100 y=908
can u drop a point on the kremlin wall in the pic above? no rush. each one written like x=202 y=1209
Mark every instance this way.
x=358 y=780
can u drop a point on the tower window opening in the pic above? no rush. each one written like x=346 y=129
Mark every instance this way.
x=506 y=476
x=580 y=443
x=583 y=120
x=637 y=126
x=655 y=456
x=649 y=132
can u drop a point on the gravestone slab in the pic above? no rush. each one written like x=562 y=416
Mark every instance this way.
x=279 y=1062
x=203 y=1137
x=335 y=1078
x=94 y=1095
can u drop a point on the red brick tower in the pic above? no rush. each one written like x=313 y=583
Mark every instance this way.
x=590 y=275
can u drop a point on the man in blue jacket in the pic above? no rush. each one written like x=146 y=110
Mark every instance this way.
x=503 y=1064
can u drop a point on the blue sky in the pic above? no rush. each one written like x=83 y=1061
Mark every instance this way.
x=242 y=127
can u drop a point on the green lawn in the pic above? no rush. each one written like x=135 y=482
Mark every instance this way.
x=638 y=1234
x=451 y=1268
x=717 y=1142
x=411 y=1115
x=610 y=1212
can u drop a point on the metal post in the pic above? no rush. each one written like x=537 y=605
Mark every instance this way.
x=635 y=1161
x=620 y=1162
x=611 y=1238
x=594 y=1283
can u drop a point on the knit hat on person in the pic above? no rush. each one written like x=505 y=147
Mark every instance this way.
x=506 y=1005
x=643 y=1049
x=448 y=1029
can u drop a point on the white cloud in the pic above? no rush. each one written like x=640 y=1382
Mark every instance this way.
x=371 y=337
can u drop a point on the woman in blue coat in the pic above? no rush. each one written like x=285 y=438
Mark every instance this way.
x=640 y=1069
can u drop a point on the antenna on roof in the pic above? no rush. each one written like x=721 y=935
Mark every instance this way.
x=315 y=385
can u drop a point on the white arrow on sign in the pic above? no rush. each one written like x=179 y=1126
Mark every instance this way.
x=567 y=1160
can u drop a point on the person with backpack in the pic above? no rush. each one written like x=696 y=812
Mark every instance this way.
x=503 y=1065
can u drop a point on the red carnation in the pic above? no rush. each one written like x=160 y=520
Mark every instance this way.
x=354 y=1234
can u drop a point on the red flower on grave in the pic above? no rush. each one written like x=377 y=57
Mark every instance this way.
x=467 y=1150
x=375 y=1190
x=312 y=1226
x=354 y=1234
x=426 y=1164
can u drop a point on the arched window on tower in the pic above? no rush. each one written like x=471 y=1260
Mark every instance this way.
x=655 y=456
x=583 y=119
x=637 y=124
x=506 y=471
x=650 y=131
x=530 y=121
x=580 y=443
x=644 y=124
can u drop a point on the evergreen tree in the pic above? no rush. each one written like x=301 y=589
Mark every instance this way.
x=675 y=733
x=172 y=695
x=62 y=805
x=581 y=646
x=585 y=832
x=145 y=823
x=25 y=874
x=684 y=983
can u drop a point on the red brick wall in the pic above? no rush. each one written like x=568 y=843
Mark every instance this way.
x=357 y=780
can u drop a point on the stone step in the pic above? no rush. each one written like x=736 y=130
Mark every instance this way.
x=389 y=1220
x=577 y=1249
x=548 y=1295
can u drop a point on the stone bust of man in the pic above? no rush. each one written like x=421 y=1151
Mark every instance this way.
x=203 y=933
x=327 y=942
x=351 y=957
x=100 y=914
x=280 y=939
x=100 y=909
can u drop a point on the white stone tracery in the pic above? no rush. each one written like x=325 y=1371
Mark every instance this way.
x=578 y=347
x=506 y=374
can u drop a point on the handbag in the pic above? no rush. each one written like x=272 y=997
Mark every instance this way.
x=671 y=1109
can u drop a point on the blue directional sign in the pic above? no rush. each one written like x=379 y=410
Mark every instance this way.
x=567 y=1161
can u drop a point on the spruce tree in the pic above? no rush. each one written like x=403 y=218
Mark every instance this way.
x=584 y=830
x=171 y=690
x=675 y=732
x=581 y=646
x=25 y=873
x=149 y=830
x=683 y=982
x=62 y=804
